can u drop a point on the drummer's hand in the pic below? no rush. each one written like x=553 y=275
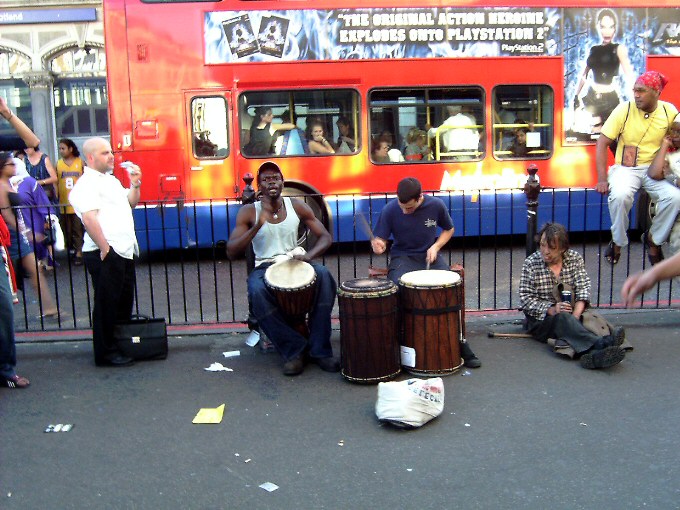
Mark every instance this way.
x=302 y=256
x=379 y=245
x=431 y=255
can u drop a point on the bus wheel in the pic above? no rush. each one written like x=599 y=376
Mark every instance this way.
x=305 y=238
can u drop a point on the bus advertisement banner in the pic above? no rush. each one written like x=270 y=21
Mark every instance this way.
x=605 y=50
x=379 y=33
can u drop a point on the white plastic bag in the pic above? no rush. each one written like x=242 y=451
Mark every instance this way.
x=57 y=234
x=411 y=403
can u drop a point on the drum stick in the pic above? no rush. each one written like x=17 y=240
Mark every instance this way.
x=494 y=334
x=363 y=225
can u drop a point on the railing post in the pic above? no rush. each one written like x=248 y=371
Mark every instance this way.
x=248 y=197
x=532 y=189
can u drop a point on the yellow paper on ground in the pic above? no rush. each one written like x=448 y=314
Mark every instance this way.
x=208 y=415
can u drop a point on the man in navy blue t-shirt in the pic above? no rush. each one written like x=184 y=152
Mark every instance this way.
x=413 y=221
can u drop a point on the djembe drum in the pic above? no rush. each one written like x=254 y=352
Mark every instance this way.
x=293 y=282
x=431 y=305
x=369 y=330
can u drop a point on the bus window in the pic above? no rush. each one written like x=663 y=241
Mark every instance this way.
x=427 y=124
x=209 y=127
x=299 y=123
x=522 y=122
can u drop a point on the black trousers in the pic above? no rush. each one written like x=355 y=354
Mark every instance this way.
x=563 y=326
x=114 y=291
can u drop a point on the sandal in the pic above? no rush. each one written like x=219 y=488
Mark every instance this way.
x=16 y=381
x=613 y=253
x=657 y=256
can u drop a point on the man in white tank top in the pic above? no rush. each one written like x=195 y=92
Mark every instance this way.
x=271 y=225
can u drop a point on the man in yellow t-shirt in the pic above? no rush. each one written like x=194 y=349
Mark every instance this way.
x=639 y=126
x=69 y=170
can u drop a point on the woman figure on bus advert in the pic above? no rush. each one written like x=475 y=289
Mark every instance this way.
x=604 y=60
x=262 y=132
x=317 y=141
x=346 y=141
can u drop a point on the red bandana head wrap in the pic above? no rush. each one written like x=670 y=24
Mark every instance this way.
x=653 y=80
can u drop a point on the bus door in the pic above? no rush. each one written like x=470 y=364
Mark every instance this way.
x=209 y=170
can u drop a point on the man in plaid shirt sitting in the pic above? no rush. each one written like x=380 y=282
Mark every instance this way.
x=558 y=320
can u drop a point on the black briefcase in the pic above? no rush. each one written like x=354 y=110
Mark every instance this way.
x=142 y=338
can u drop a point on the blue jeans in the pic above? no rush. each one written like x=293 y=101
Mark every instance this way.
x=8 y=353
x=289 y=342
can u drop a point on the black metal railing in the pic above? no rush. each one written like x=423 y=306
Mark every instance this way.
x=190 y=281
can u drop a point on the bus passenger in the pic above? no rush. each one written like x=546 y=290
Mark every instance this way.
x=604 y=61
x=519 y=147
x=394 y=155
x=416 y=148
x=262 y=132
x=412 y=221
x=379 y=153
x=639 y=129
x=346 y=141
x=317 y=141
x=460 y=134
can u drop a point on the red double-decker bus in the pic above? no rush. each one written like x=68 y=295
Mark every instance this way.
x=349 y=100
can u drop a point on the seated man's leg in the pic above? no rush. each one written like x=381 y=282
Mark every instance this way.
x=403 y=264
x=667 y=198
x=623 y=184
x=565 y=326
x=320 y=316
x=288 y=342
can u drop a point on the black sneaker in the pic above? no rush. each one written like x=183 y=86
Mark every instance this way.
x=329 y=364
x=618 y=335
x=469 y=358
x=294 y=367
x=603 y=358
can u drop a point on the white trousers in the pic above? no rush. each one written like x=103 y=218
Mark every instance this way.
x=624 y=182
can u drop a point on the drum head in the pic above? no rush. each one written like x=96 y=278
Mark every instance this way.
x=367 y=285
x=289 y=274
x=430 y=278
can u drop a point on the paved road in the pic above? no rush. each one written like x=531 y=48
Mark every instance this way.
x=527 y=430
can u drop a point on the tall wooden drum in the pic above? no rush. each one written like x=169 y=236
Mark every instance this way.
x=293 y=282
x=369 y=330
x=431 y=306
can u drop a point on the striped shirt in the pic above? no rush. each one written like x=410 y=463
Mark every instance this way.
x=537 y=282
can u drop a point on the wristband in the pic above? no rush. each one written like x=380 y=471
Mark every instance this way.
x=11 y=114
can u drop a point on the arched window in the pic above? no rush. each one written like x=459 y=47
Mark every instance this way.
x=15 y=91
x=80 y=96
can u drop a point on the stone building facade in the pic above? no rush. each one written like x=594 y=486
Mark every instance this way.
x=53 y=68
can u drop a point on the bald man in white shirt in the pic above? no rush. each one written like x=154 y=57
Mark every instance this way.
x=105 y=208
